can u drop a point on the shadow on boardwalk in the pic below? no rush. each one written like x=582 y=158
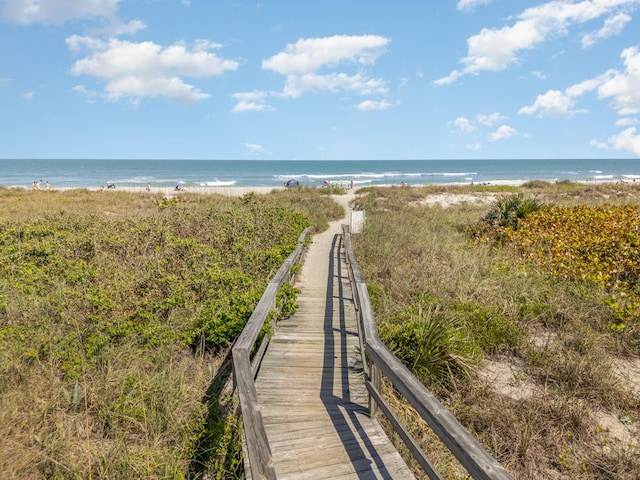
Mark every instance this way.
x=310 y=386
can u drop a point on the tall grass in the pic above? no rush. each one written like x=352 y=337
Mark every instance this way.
x=419 y=258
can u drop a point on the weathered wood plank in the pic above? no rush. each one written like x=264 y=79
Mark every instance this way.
x=311 y=390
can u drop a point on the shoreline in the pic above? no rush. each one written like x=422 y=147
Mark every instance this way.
x=239 y=191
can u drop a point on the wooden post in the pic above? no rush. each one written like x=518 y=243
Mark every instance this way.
x=376 y=383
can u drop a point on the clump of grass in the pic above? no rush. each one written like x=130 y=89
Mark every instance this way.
x=433 y=345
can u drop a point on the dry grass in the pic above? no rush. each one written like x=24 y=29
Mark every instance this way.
x=555 y=396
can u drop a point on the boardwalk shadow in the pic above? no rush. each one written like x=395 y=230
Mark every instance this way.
x=346 y=415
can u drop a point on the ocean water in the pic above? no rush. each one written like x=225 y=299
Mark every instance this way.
x=74 y=173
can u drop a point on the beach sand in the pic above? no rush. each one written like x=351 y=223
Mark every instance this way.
x=171 y=191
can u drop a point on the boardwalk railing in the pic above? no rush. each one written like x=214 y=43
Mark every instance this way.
x=246 y=366
x=379 y=360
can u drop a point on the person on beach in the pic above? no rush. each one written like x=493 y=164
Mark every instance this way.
x=47 y=185
x=148 y=187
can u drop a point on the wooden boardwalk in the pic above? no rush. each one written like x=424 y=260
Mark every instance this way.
x=310 y=387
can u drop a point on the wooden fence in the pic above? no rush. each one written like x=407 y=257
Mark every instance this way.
x=246 y=365
x=380 y=361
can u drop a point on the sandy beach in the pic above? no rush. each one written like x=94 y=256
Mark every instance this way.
x=171 y=191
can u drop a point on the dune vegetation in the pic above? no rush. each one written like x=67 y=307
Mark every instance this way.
x=116 y=314
x=519 y=307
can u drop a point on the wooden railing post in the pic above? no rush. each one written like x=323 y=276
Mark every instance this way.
x=376 y=383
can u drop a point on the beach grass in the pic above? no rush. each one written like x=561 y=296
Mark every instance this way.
x=117 y=310
x=537 y=361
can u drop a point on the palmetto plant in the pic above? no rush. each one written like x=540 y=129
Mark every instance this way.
x=431 y=344
x=508 y=211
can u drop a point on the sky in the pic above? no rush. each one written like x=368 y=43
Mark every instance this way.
x=319 y=79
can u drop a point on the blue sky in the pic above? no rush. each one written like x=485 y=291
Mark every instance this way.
x=330 y=79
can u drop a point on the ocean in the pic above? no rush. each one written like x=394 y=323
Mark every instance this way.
x=74 y=173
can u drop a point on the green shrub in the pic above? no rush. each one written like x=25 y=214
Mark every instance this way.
x=432 y=344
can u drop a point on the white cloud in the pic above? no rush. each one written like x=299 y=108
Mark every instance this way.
x=503 y=132
x=137 y=70
x=554 y=103
x=497 y=49
x=28 y=95
x=474 y=147
x=118 y=27
x=297 y=85
x=57 y=11
x=89 y=95
x=490 y=119
x=627 y=140
x=311 y=54
x=462 y=124
x=624 y=87
x=373 y=105
x=612 y=26
x=251 y=102
x=311 y=66
x=254 y=148
x=626 y=122
x=599 y=145
x=468 y=5
x=307 y=64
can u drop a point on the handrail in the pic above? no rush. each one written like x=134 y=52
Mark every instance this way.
x=473 y=457
x=245 y=369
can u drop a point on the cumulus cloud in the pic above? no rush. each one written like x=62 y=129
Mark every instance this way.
x=612 y=26
x=490 y=119
x=298 y=85
x=329 y=64
x=145 y=69
x=468 y=5
x=57 y=11
x=599 y=145
x=503 y=132
x=312 y=54
x=251 y=102
x=626 y=122
x=623 y=87
x=553 y=103
x=495 y=49
x=373 y=105
x=306 y=62
x=462 y=124
x=627 y=140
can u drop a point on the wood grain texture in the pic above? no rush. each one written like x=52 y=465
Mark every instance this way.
x=310 y=387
